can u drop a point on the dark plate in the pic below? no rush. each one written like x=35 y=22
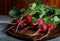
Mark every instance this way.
x=24 y=35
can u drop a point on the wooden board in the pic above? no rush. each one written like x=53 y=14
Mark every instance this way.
x=24 y=35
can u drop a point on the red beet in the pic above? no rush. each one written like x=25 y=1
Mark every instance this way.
x=27 y=17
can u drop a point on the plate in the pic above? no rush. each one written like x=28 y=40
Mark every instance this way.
x=25 y=35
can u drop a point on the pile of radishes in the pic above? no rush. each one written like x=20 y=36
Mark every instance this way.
x=27 y=23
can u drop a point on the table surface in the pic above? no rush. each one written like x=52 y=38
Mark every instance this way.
x=5 y=37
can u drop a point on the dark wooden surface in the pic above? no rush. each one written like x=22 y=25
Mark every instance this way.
x=6 y=5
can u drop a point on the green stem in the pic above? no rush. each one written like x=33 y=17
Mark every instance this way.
x=33 y=11
x=52 y=16
x=43 y=13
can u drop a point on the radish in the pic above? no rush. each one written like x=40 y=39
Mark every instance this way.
x=27 y=17
x=31 y=25
x=40 y=20
x=20 y=24
x=18 y=21
x=44 y=35
x=50 y=27
x=15 y=20
x=42 y=27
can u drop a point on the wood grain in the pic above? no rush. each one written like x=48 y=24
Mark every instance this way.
x=6 y=5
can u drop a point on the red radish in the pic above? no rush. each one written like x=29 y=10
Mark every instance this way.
x=44 y=35
x=20 y=25
x=31 y=25
x=27 y=17
x=15 y=20
x=25 y=29
x=51 y=26
x=40 y=20
x=41 y=27
x=36 y=33
x=18 y=21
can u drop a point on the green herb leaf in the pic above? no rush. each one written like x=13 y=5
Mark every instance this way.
x=57 y=11
x=33 y=6
x=42 y=14
x=56 y=18
x=13 y=12
x=56 y=21
x=42 y=7
x=21 y=13
x=33 y=19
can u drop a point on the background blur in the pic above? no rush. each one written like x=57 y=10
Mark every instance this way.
x=6 y=5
